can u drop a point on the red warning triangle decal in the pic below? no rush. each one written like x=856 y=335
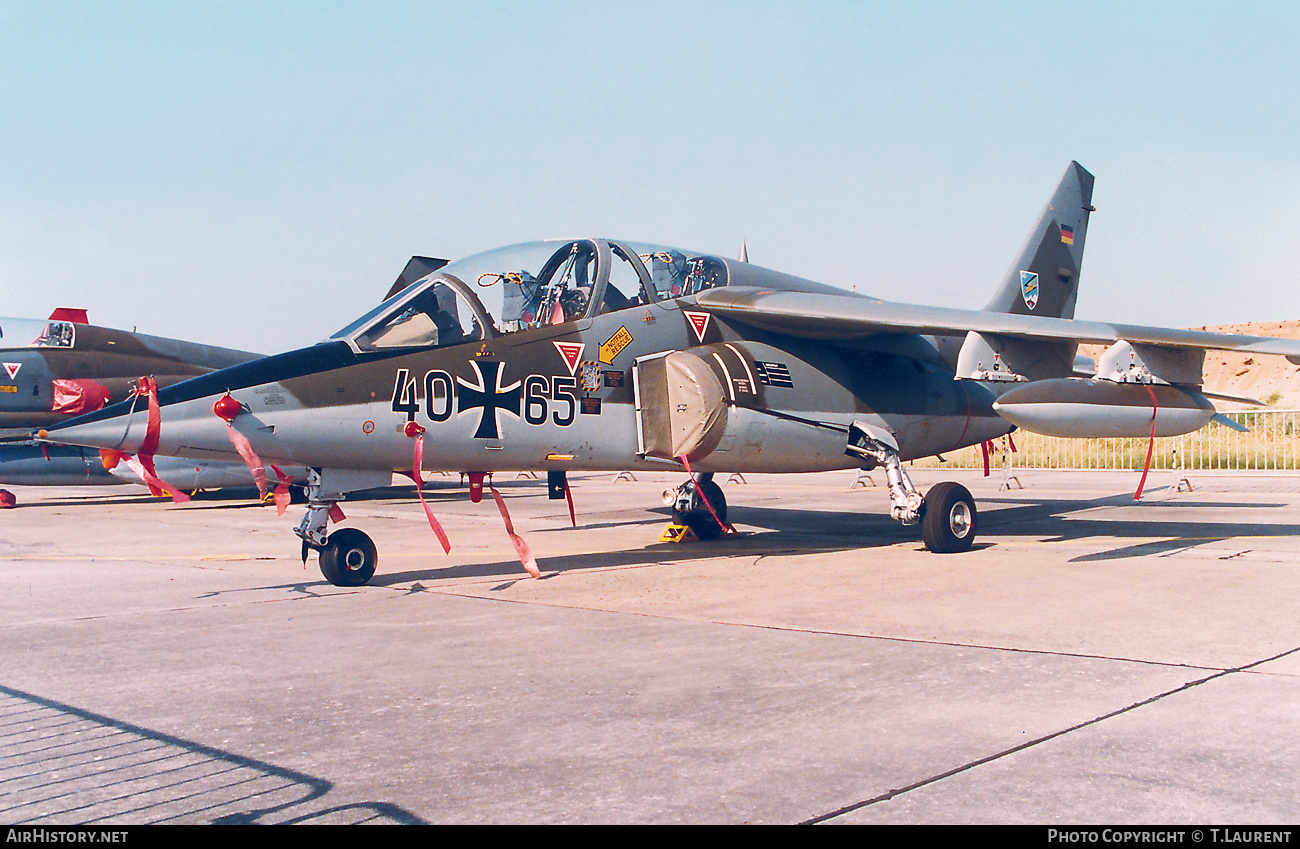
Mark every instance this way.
x=12 y=368
x=699 y=323
x=570 y=352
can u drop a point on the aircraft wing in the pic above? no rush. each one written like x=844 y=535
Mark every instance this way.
x=815 y=315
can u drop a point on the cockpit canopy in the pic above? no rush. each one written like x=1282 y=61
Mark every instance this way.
x=26 y=332
x=531 y=285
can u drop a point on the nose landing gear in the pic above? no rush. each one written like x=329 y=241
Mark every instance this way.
x=347 y=556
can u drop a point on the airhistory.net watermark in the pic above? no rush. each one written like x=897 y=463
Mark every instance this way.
x=59 y=835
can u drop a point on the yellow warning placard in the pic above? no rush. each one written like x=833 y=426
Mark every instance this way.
x=614 y=345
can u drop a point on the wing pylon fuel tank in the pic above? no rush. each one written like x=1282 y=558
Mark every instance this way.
x=1091 y=408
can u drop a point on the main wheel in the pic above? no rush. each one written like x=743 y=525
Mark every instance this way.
x=701 y=521
x=948 y=525
x=348 y=558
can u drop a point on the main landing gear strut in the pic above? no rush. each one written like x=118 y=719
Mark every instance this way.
x=348 y=557
x=946 y=514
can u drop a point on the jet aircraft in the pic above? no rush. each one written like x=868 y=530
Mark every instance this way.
x=598 y=354
x=57 y=369
x=64 y=366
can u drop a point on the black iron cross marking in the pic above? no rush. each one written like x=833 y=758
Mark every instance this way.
x=498 y=398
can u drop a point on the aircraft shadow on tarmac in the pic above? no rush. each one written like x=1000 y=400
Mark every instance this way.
x=65 y=764
x=794 y=532
x=1052 y=520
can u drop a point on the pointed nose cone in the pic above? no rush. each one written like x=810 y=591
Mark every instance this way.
x=185 y=428
x=119 y=427
x=195 y=418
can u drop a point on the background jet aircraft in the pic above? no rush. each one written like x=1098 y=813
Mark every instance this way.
x=596 y=354
x=57 y=369
x=65 y=366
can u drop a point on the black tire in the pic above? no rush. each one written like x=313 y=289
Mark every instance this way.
x=701 y=522
x=948 y=525
x=349 y=558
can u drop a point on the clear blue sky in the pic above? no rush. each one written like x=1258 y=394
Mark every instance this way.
x=255 y=174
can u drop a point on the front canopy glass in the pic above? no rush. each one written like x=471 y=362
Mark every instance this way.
x=531 y=285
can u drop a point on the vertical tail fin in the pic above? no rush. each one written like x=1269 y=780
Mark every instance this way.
x=1044 y=279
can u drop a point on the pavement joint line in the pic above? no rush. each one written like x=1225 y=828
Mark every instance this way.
x=827 y=633
x=884 y=797
x=451 y=590
x=452 y=587
x=95 y=617
x=455 y=589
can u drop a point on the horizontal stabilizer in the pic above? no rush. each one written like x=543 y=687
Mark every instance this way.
x=1227 y=422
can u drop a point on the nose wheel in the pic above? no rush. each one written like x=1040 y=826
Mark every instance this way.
x=348 y=558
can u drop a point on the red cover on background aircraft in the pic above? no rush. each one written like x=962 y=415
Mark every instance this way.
x=69 y=314
x=74 y=397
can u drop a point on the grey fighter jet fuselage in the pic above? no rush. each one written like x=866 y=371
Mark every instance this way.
x=596 y=354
